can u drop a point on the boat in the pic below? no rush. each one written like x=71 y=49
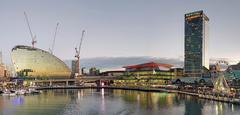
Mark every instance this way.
x=9 y=93
x=33 y=91
x=21 y=92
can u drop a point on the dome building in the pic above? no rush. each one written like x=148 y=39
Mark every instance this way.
x=36 y=63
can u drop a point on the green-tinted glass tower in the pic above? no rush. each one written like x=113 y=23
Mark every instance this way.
x=196 y=40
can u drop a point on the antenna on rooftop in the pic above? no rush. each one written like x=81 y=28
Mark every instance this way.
x=30 y=31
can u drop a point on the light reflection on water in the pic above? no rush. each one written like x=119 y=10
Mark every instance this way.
x=111 y=102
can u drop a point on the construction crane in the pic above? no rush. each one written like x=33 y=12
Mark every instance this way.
x=30 y=31
x=77 y=55
x=54 y=39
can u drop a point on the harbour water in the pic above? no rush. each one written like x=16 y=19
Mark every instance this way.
x=112 y=102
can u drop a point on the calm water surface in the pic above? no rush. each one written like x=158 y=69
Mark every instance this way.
x=112 y=102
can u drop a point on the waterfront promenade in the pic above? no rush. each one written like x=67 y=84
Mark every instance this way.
x=226 y=99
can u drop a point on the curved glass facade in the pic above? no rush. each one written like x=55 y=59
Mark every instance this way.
x=37 y=63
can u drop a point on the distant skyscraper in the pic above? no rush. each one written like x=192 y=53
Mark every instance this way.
x=74 y=68
x=196 y=43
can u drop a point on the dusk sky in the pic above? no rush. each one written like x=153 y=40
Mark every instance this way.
x=118 y=28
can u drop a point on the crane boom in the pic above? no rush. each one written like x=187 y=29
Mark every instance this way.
x=80 y=45
x=77 y=55
x=30 y=31
x=54 y=38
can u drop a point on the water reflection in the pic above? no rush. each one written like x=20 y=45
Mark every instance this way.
x=111 y=102
x=193 y=106
x=103 y=107
x=18 y=101
x=152 y=103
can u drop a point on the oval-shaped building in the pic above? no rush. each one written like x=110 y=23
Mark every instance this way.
x=37 y=63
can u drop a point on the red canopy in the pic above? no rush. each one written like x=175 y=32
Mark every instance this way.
x=148 y=65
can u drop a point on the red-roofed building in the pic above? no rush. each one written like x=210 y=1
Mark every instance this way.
x=150 y=74
x=149 y=66
x=154 y=70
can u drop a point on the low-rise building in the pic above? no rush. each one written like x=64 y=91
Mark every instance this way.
x=233 y=71
x=153 y=70
x=149 y=74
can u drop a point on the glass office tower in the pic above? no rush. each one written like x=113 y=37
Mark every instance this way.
x=37 y=63
x=196 y=39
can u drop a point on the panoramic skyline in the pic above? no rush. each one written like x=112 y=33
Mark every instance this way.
x=117 y=28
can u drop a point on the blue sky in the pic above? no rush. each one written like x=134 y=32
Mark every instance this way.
x=118 y=28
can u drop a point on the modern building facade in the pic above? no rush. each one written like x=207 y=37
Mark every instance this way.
x=159 y=70
x=148 y=74
x=36 y=63
x=196 y=44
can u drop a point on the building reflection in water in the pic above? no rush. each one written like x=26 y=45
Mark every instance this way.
x=103 y=106
x=147 y=99
x=153 y=102
x=80 y=95
x=232 y=107
x=193 y=106
x=111 y=102
x=46 y=103
x=219 y=109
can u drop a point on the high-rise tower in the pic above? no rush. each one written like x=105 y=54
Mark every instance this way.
x=196 y=44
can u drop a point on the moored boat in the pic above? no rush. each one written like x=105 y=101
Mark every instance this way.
x=9 y=93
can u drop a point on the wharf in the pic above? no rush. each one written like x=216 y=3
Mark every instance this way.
x=209 y=97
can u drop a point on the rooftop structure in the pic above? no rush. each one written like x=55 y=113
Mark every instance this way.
x=149 y=66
